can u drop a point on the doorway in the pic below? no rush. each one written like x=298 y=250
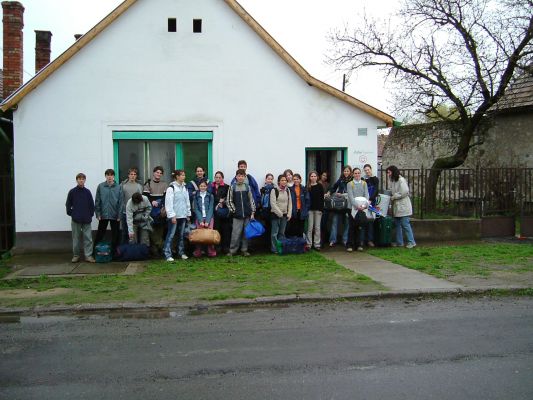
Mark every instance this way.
x=330 y=160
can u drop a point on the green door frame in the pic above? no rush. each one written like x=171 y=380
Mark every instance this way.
x=180 y=137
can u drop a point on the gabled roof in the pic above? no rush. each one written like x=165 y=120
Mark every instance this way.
x=519 y=95
x=18 y=95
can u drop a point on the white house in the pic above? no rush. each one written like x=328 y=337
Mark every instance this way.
x=175 y=83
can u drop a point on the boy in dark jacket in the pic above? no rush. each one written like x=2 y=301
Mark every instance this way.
x=80 y=206
x=241 y=204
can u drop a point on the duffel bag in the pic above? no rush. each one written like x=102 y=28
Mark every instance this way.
x=133 y=252
x=337 y=203
x=253 y=229
x=291 y=245
x=204 y=236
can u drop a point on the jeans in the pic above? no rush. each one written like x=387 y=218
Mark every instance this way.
x=124 y=237
x=86 y=232
x=277 y=232
x=179 y=228
x=334 y=223
x=313 y=227
x=403 y=224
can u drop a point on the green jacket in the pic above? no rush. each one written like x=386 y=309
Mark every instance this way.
x=108 y=201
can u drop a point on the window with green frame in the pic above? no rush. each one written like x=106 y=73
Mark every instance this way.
x=171 y=150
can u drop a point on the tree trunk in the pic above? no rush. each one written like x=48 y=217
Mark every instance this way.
x=443 y=163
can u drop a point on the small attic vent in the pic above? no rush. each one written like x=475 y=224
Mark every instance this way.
x=197 y=25
x=172 y=25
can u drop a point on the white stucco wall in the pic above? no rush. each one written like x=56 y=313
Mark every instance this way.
x=137 y=76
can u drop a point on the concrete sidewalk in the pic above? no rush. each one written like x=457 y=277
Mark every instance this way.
x=390 y=275
x=58 y=265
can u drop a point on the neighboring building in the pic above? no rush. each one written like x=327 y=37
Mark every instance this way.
x=508 y=141
x=176 y=83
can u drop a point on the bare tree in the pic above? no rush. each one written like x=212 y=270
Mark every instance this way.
x=458 y=55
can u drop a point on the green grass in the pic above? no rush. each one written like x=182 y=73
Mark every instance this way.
x=198 y=280
x=472 y=259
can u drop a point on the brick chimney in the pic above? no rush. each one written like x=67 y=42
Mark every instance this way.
x=13 y=23
x=42 y=49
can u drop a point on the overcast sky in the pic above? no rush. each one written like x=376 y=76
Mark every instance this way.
x=300 y=26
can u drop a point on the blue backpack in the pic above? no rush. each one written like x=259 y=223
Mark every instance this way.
x=265 y=201
x=159 y=213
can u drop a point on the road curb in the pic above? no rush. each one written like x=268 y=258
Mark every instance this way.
x=131 y=308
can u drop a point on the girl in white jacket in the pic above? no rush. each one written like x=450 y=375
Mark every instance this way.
x=178 y=208
x=401 y=207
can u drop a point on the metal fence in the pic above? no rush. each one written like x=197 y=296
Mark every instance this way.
x=7 y=217
x=469 y=192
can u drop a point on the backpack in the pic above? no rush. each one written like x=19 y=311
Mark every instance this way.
x=159 y=213
x=266 y=205
x=102 y=252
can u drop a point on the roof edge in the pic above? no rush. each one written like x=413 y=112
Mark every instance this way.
x=44 y=73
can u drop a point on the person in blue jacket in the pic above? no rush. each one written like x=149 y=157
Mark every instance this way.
x=249 y=180
x=300 y=207
x=193 y=186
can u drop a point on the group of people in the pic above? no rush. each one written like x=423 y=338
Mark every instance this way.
x=159 y=214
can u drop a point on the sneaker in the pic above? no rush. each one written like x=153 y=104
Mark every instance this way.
x=371 y=244
x=170 y=259
x=75 y=259
x=245 y=254
x=317 y=248
x=349 y=249
x=230 y=254
x=90 y=259
x=359 y=248
x=331 y=244
x=410 y=245
x=197 y=254
x=184 y=257
x=394 y=244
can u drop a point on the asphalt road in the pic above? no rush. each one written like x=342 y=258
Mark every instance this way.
x=394 y=349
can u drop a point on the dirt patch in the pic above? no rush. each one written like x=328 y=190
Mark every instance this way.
x=32 y=293
x=497 y=279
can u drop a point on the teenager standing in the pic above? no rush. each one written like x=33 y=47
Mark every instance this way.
x=316 y=208
x=178 y=213
x=108 y=206
x=402 y=208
